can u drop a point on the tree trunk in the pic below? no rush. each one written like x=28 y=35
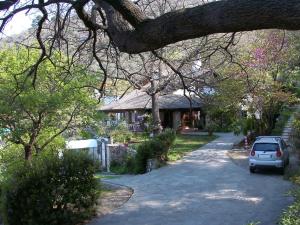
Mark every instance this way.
x=28 y=152
x=157 y=128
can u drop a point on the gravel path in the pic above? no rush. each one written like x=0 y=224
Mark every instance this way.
x=204 y=188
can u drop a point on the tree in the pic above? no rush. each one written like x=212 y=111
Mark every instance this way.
x=33 y=116
x=133 y=31
x=108 y=28
x=259 y=79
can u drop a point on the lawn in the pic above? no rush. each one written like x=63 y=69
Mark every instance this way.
x=183 y=144
x=187 y=143
x=104 y=176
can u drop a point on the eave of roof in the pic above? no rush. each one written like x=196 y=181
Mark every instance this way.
x=138 y=100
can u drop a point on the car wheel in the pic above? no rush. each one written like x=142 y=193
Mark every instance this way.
x=252 y=169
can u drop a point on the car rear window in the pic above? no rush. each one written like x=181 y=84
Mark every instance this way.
x=265 y=147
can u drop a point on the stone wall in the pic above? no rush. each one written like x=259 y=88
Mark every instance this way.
x=118 y=152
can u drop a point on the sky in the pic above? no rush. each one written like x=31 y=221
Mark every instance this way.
x=19 y=23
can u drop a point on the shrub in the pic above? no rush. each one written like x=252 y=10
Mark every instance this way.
x=50 y=190
x=144 y=152
x=167 y=140
x=128 y=166
x=157 y=147
x=120 y=133
x=211 y=127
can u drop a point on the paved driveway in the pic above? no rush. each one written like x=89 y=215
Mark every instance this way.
x=205 y=188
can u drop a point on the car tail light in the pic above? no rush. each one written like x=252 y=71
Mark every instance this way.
x=278 y=153
x=252 y=153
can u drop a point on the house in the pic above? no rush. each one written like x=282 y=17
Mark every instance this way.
x=176 y=110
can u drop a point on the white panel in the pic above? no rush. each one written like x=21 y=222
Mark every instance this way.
x=79 y=144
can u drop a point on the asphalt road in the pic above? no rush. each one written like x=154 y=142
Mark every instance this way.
x=204 y=188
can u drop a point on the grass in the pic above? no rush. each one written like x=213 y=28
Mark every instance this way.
x=119 y=169
x=183 y=144
x=187 y=143
x=139 y=137
x=103 y=176
x=290 y=216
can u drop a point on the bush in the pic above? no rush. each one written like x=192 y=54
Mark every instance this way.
x=211 y=127
x=50 y=190
x=127 y=167
x=120 y=133
x=167 y=140
x=144 y=152
x=155 y=148
x=158 y=148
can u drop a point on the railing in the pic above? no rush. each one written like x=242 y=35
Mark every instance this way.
x=136 y=127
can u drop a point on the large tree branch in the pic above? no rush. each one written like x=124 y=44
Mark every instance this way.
x=5 y=5
x=129 y=11
x=215 y=17
x=132 y=32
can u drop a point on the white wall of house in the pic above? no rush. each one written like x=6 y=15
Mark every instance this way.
x=176 y=120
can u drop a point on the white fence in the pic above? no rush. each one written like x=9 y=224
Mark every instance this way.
x=97 y=148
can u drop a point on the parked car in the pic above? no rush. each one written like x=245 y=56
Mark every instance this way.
x=269 y=151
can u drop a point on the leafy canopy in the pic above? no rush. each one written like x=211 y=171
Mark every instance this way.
x=36 y=110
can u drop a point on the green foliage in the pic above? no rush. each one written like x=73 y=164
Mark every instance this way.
x=140 y=137
x=157 y=148
x=255 y=126
x=119 y=132
x=211 y=127
x=145 y=151
x=296 y=124
x=34 y=115
x=127 y=167
x=9 y=156
x=264 y=86
x=291 y=216
x=296 y=129
x=165 y=146
x=243 y=125
x=50 y=190
x=166 y=139
x=224 y=105
x=285 y=114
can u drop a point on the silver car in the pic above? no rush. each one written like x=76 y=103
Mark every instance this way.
x=269 y=151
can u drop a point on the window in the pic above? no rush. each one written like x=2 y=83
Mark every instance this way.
x=265 y=147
